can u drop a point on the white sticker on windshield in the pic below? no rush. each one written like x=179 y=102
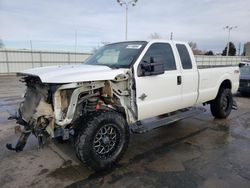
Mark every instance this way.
x=134 y=46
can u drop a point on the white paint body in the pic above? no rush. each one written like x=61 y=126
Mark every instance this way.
x=73 y=73
x=198 y=85
x=163 y=93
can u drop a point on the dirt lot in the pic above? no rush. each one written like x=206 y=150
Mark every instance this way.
x=196 y=152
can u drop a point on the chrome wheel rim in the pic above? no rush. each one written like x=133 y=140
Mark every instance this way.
x=105 y=140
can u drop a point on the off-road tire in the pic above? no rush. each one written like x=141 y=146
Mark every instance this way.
x=79 y=127
x=85 y=147
x=221 y=106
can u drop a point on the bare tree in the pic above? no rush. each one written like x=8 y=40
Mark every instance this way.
x=155 y=36
x=196 y=51
x=193 y=45
x=95 y=48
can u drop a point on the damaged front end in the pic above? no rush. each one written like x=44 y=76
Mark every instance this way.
x=35 y=113
x=54 y=110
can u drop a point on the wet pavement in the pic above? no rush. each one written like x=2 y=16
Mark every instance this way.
x=195 y=152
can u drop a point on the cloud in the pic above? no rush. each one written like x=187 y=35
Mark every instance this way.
x=55 y=22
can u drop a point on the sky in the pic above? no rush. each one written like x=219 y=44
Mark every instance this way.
x=55 y=24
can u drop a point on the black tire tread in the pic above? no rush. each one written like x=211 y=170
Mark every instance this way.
x=86 y=132
x=215 y=104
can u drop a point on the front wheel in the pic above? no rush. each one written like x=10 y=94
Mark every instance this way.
x=103 y=140
x=221 y=106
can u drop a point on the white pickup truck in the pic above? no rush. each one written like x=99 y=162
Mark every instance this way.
x=121 y=85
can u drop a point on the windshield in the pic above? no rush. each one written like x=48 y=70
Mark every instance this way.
x=117 y=55
x=245 y=70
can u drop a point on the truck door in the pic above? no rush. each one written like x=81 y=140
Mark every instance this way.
x=158 y=94
x=190 y=78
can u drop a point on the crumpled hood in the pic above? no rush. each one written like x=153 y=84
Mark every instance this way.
x=73 y=73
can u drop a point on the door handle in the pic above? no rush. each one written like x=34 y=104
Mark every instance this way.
x=178 y=80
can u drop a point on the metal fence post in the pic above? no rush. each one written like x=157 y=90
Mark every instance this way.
x=32 y=60
x=209 y=61
x=68 y=58
x=7 y=61
x=203 y=63
x=75 y=57
x=41 y=62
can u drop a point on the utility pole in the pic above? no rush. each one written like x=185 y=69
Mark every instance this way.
x=171 y=36
x=75 y=43
x=239 y=49
x=31 y=53
x=126 y=4
x=229 y=28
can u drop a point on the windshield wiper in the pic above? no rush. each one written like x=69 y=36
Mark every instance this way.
x=119 y=66
x=115 y=66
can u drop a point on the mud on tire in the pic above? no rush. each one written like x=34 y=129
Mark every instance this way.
x=221 y=106
x=103 y=139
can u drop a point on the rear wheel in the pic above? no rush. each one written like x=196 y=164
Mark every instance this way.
x=103 y=140
x=221 y=106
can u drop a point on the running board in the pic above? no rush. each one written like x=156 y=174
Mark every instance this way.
x=166 y=119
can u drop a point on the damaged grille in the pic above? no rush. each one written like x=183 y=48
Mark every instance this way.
x=35 y=113
x=35 y=92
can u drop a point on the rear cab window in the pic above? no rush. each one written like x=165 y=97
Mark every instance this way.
x=184 y=56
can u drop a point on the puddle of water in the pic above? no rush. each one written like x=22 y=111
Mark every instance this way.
x=241 y=127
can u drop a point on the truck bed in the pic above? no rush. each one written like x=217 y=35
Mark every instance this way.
x=213 y=66
x=211 y=78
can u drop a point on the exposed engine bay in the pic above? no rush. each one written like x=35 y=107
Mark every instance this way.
x=52 y=110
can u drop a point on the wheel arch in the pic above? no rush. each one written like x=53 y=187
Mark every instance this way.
x=226 y=83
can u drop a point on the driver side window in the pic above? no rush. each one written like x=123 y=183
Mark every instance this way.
x=160 y=53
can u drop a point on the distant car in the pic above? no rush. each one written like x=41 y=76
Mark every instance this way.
x=244 y=63
x=244 y=87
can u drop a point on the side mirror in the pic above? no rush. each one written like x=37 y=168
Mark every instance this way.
x=152 y=68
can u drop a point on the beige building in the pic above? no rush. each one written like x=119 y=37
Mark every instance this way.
x=247 y=49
